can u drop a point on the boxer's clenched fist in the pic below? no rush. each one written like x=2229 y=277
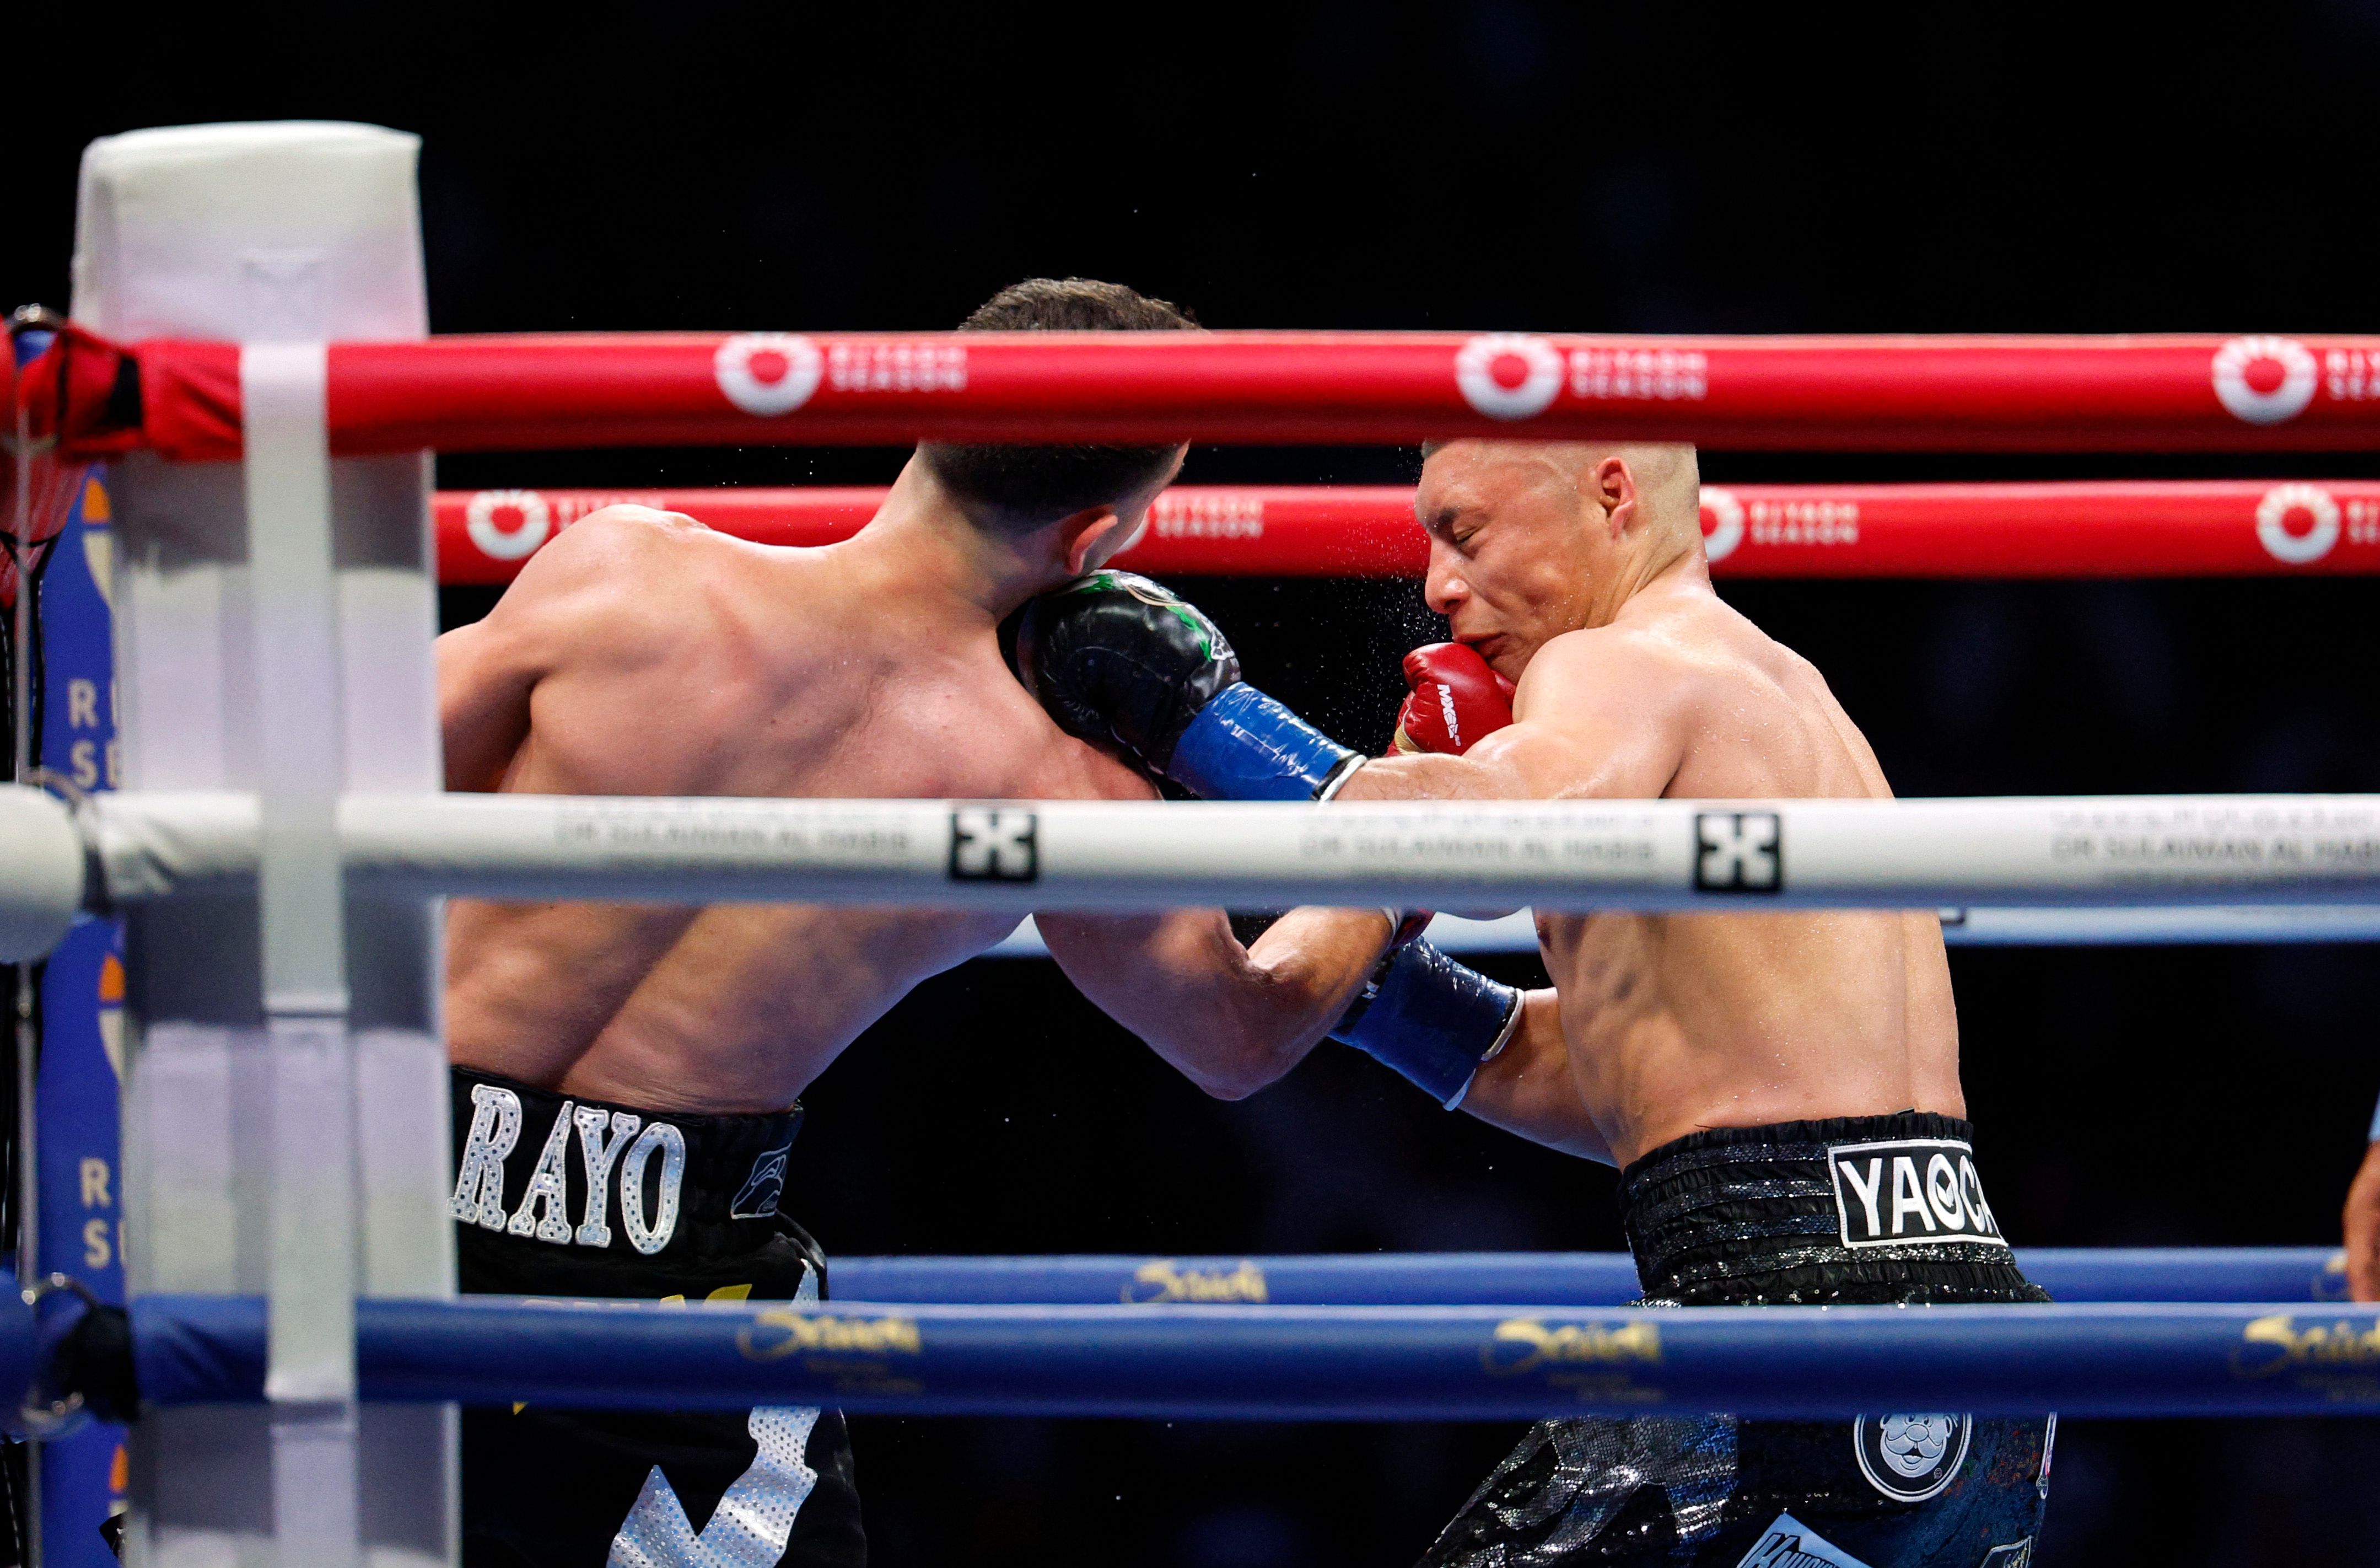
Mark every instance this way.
x=1456 y=700
x=1117 y=660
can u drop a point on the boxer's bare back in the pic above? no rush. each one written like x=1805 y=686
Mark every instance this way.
x=1637 y=681
x=644 y=654
x=641 y=654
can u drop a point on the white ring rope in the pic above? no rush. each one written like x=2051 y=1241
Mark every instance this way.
x=2135 y=852
x=1021 y=856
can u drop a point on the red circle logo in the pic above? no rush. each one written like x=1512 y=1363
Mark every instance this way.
x=1509 y=375
x=2264 y=380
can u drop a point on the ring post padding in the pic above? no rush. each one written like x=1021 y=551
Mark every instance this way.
x=275 y=235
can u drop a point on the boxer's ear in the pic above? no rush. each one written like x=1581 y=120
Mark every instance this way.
x=1080 y=537
x=1611 y=484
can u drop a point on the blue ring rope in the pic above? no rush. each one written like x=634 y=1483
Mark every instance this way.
x=1533 y=1279
x=1294 y=1363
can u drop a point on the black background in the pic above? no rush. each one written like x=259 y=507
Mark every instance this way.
x=1491 y=165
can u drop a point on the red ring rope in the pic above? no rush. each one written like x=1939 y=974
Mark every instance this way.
x=2223 y=528
x=2109 y=393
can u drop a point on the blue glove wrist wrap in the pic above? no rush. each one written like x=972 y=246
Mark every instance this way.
x=1431 y=1019
x=1244 y=745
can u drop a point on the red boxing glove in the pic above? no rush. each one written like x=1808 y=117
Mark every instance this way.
x=1456 y=700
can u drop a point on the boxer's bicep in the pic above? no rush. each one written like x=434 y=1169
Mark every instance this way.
x=483 y=691
x=1527 y=760
x=1598 y=714
x=1527 y=1087
x=1596 y=717
x=587 y=593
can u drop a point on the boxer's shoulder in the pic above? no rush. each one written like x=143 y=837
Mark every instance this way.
x=1019 y=751
x=1062 y=767
x=607 y=564
x=1642 y=669
x=621 y=538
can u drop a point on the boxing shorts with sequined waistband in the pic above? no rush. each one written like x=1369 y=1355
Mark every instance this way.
x=1864 y=1210
x=561 y=1196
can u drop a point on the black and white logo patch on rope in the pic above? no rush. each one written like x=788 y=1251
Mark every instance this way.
x=994 y=846
x=1738 y=852
x=1911 y=1192
x=1911 y=1458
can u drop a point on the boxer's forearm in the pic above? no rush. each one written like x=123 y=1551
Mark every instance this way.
x=1423 y=776
x=1527 y=1089
x=1232 y=1019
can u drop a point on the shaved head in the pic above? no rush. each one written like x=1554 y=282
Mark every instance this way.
x=1533 y=539
x=1668 y=477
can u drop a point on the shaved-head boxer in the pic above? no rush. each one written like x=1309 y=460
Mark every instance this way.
x=627 y=1077
x=1780 y=1090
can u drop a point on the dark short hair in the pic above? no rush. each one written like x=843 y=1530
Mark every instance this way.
x=1017 y=489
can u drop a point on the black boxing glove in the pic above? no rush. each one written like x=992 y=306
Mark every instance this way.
x=1119 y=660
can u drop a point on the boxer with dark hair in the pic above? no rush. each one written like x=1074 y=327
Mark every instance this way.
x=1780 y=1090
x=1018 y=489
x=627 y=1077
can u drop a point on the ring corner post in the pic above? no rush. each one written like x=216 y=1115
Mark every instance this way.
x=285 y=1116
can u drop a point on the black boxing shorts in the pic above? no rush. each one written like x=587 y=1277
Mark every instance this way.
x=559 y=1196
x=1850 y=1211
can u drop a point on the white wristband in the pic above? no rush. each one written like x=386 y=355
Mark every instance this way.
x=2375 y=1124
x=1503 y=1038
x=1339 y=780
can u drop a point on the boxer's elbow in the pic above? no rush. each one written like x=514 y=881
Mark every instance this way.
x=1244 y=1024
x=1240 y=1054
x=1240 y=1084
